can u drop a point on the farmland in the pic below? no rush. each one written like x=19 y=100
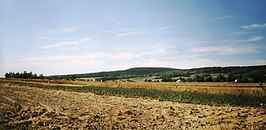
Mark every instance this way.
x=252 y=89
x=243 y=74
x=70 y=105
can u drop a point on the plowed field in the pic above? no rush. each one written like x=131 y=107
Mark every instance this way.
x=23 y=107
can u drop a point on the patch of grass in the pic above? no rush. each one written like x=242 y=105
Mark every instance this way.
x=163 y=95
x=220 y=88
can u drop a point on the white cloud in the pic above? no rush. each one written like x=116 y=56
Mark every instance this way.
x=80 y=57
x=140 y=31
x=144 y=57
x=53 y=38
x=75 y=63
x=253 y=26
x=62 y=30
x=164 y=28
x=225 y=50
x=239 y=41
x=93 y=61
x=253 y=39
x=69 y=29
x=158 y=49
x=123 y=56
x=102 y=61
x=133 y=33
x=225 y=17
x=241 y=33
x=65 y=43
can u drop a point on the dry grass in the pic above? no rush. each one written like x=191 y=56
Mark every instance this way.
x=210 y=88
x=24 y=107
x=252 y=89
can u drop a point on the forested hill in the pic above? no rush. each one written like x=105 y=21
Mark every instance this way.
x=230 y=69
x=231 y=73
x=132 y=72
x=128 y=73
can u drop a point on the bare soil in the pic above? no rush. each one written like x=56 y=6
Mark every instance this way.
x=23 y=107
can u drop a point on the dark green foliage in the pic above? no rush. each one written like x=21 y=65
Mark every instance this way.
x=167 y=78
x=25 y=75
x=257 y=75
x=147 y=80
x=167 y=95
x=189 y=80
x=121 y=74
x=220 y=78
x=205 y=77
x=208 y=78
x=198 y=78
x=69 y=77
x=231 y=77
x=41 y=76
x=229 y=74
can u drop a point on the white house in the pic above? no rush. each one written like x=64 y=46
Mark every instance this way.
x=236 y=81
x=179 y=80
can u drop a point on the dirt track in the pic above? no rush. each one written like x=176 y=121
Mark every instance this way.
x=34 y=108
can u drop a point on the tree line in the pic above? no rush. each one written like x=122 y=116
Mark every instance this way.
x=254 y=76
x=24 y=75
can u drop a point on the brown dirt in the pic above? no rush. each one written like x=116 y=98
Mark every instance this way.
x=22 y=107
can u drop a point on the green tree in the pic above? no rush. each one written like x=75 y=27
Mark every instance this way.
x=34 y=76
x=189 y=80
x=69 y=77
x=146 y=80
x=257 y=76
x=208 y=78
x=7 y=75
x=220 y=78
x=231 y=77
x=198 y=78
x=41 y=76
x=166 y=78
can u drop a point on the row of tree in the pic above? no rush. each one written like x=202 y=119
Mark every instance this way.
x=218 y=74
x=209 y=78
x=25 y=75
x=252 y=76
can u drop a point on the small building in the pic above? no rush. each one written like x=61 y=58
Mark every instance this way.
x=236 y=81
x=179 y=80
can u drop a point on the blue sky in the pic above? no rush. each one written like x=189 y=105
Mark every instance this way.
x=79 y=36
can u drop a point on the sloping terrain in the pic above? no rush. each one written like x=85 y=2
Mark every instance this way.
x=35 y=108
x=119 y=74
x=230 y=74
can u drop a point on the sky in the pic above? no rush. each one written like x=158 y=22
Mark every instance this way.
x=82 y=36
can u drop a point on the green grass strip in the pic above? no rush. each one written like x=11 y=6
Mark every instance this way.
x=164 y=95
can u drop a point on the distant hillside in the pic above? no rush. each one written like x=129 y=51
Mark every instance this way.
x=129 y=73
x=220 y=74
x=205 y=74
x=230 y=69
